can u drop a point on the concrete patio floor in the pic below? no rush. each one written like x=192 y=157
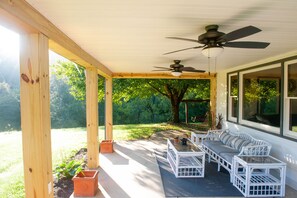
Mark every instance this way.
x=132 y=170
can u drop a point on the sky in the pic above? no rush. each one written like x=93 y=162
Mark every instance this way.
x=9 y=43
x=9 y=46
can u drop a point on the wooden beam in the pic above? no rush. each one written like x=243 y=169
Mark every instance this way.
x=23 y=13
x=164 y=75
x=35 y=115
x=213 y=98
x=11 y=22
x=108 y=109
x=92 y=117
x=69 y=53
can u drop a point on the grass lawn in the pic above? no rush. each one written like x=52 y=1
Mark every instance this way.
x=64 y=142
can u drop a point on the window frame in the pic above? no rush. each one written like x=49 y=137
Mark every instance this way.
x=265 y=127
x=284 y=113
x=229 y=109
x=286 y=131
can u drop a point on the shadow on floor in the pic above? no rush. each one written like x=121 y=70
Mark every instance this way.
x=109 y=187
x=116 y=159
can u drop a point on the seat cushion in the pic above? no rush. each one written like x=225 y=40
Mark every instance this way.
x=218 y=147
x=211 y=143
x=245 y=143
x=228 y=156
x=224 y=137
x=238 y=142
x=228 y=143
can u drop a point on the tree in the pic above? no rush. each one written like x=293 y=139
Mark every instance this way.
x=177 y=90
x=66 y=111
x=9 y=94
x=126 y=89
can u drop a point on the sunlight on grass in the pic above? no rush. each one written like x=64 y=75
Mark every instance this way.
x=139 y=131
x=14 y=188
x=64 y=142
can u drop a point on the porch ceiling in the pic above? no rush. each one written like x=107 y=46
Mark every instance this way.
x=129 y=36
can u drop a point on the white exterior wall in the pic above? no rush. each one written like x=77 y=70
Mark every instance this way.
x=283 y=149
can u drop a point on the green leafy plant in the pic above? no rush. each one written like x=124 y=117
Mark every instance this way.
x=69 y=169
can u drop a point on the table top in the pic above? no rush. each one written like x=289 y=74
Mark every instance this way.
x=259 y=159
x=200 y=132
x=190 y=147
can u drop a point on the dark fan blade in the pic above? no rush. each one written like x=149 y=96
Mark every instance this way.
x=196 y=70
x=183 y=49
x=187 y=68
x=161 y=70
x=184 y=39
x=247 y=44
x=190 y=69
x=240 y=33
x=164 y=68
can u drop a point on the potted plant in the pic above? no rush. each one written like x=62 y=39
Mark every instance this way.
x=85 y=183
x=176 y=139
x=184 y=139
x=106 y=146
x=220 y=121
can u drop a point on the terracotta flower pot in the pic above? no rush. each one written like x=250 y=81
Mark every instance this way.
x=176 y=140
x=106 y=146
x=85 y=183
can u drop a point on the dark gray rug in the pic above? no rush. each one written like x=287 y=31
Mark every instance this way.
x=214 y=184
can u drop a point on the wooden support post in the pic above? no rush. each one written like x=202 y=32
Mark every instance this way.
x=92 y=117
x=213 y=99
x=35 y=115
x=108 y=109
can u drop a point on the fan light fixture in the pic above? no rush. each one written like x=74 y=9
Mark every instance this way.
x=176 y=73
x=212 y=52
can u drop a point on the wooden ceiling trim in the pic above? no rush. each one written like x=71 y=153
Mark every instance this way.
x=164 y=75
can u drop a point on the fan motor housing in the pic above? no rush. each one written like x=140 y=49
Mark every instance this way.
x=211 y=35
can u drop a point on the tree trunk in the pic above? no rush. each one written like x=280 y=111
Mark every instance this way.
x=175 y=112
x=175 y=95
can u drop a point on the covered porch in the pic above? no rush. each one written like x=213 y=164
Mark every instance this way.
x=39 y=32
x=133 y=171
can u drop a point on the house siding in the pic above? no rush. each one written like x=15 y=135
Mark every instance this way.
x=283 y=149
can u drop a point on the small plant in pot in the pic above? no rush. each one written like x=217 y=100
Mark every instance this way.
x=220 y=121
x=184 y=139
x=85 y=183
x=176 y=139
x=67 y=169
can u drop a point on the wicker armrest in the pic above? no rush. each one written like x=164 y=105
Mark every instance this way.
x=213 y=135
x=255 y=150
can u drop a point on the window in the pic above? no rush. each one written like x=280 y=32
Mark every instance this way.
x=233 y=97
x=265 y=97
x=260 y=98
x=290 y=100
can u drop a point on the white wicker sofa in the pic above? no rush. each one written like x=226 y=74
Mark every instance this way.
x=222 y=146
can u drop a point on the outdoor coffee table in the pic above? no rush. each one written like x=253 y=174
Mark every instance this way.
x=256 y=176
x=185 y=160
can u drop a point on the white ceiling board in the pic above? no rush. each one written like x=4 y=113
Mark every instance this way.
x=129 y=36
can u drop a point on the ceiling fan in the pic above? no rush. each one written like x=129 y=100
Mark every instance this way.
x=177 y=68
x=213 y=42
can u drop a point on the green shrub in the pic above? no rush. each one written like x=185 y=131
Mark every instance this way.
x=68 y=169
